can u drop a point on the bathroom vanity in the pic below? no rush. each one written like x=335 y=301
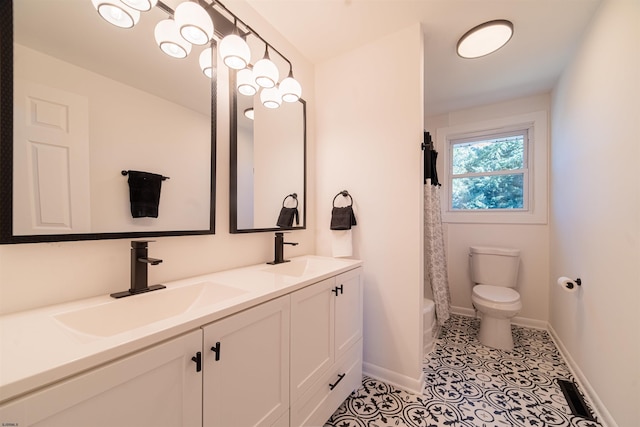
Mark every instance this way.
x=261 y=345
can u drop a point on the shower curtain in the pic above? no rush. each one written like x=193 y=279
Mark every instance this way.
x=435 y=265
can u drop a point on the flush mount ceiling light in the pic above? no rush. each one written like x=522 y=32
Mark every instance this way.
x=249 y=113
x=485 y=38
x=194 y=23
x=141 y=5
x=117 y=13
x=169 y=40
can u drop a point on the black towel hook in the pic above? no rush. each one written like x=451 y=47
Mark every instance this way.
x=343 y=193
x=294 y=196
x=125 y=173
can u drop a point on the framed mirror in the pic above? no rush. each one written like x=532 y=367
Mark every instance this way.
x=268 y=163
x=84 y=103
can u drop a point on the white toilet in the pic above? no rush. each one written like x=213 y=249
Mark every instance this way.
x=494 y=271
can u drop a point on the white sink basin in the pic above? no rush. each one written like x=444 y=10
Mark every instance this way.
x=294 y=268
x=305 y=267
x=132 y=312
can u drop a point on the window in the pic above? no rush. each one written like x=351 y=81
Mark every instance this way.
x=495 y=171
x=489 y=172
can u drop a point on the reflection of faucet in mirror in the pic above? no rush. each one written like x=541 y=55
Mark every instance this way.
x=279 y=249
x=139 y=262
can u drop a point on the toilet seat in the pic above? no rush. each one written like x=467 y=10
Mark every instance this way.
x=496 y=294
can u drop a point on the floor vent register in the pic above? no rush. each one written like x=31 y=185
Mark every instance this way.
x=574 y=399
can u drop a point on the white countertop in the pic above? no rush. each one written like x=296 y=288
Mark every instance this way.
x=38 y=347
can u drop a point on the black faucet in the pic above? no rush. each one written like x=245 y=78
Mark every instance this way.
x=139 y=262
x=279 y=249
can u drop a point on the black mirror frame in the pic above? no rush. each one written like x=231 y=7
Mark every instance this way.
x=233 y=165
x=6 y=155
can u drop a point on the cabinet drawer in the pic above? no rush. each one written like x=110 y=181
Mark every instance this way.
x=316 y=405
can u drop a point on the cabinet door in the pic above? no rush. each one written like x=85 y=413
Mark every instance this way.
x=348 y=328
x=155 y=387
x=312 y=334
x=246 y=378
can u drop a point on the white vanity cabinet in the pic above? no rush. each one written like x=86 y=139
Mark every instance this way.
x=246 y=367
x=284 y=360
x=326 y=347
x=159 y=386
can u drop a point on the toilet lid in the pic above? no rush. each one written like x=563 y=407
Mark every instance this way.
x=496 y=293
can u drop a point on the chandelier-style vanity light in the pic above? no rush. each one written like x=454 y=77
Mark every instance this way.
x=206 y=62
x=245 y=83
x=290 y=88
x=192 y=23
x=265 y=72
x=271 y=97
x=234 y=50
x=141 y=5
x=117 y=13
x=169 y=39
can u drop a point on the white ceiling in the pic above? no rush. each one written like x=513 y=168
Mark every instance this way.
x=546 y=34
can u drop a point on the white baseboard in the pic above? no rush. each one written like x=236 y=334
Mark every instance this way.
x=601 y=412
x=395 y=379
x=520 y=321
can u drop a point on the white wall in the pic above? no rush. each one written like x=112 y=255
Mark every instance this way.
x=370 y=125
x=531 y=239
x=595 y=211
x=34 y=275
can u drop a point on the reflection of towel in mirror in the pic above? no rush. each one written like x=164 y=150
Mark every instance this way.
x=342 y=218
x=285 y=219
x=144 y=193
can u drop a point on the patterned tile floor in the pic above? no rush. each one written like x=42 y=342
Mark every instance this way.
x=468 y=384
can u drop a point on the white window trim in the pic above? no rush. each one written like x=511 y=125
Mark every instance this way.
x=537 y=212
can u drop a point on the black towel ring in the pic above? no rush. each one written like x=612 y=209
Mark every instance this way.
x=294 y=196
x=343 y=193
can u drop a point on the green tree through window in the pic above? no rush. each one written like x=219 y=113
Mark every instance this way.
x=489 y=172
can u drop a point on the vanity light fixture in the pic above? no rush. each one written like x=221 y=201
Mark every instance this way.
x=249 y=113
x=117 y=13
x=265 y=71
x=290 y=88
x=194 y=23
x=246 y=84
x=485 y=38
x=141 y=5
x=206 y=62
x=271 y=97
x=234 y=50
x=169 y=39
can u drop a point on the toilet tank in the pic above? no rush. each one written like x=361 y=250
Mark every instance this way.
x=494 y=266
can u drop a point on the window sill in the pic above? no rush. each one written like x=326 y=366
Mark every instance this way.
x=494 y=217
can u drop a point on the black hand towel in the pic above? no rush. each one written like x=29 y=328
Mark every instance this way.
x=144 y=193
x=286 y=217
x=342 y=218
